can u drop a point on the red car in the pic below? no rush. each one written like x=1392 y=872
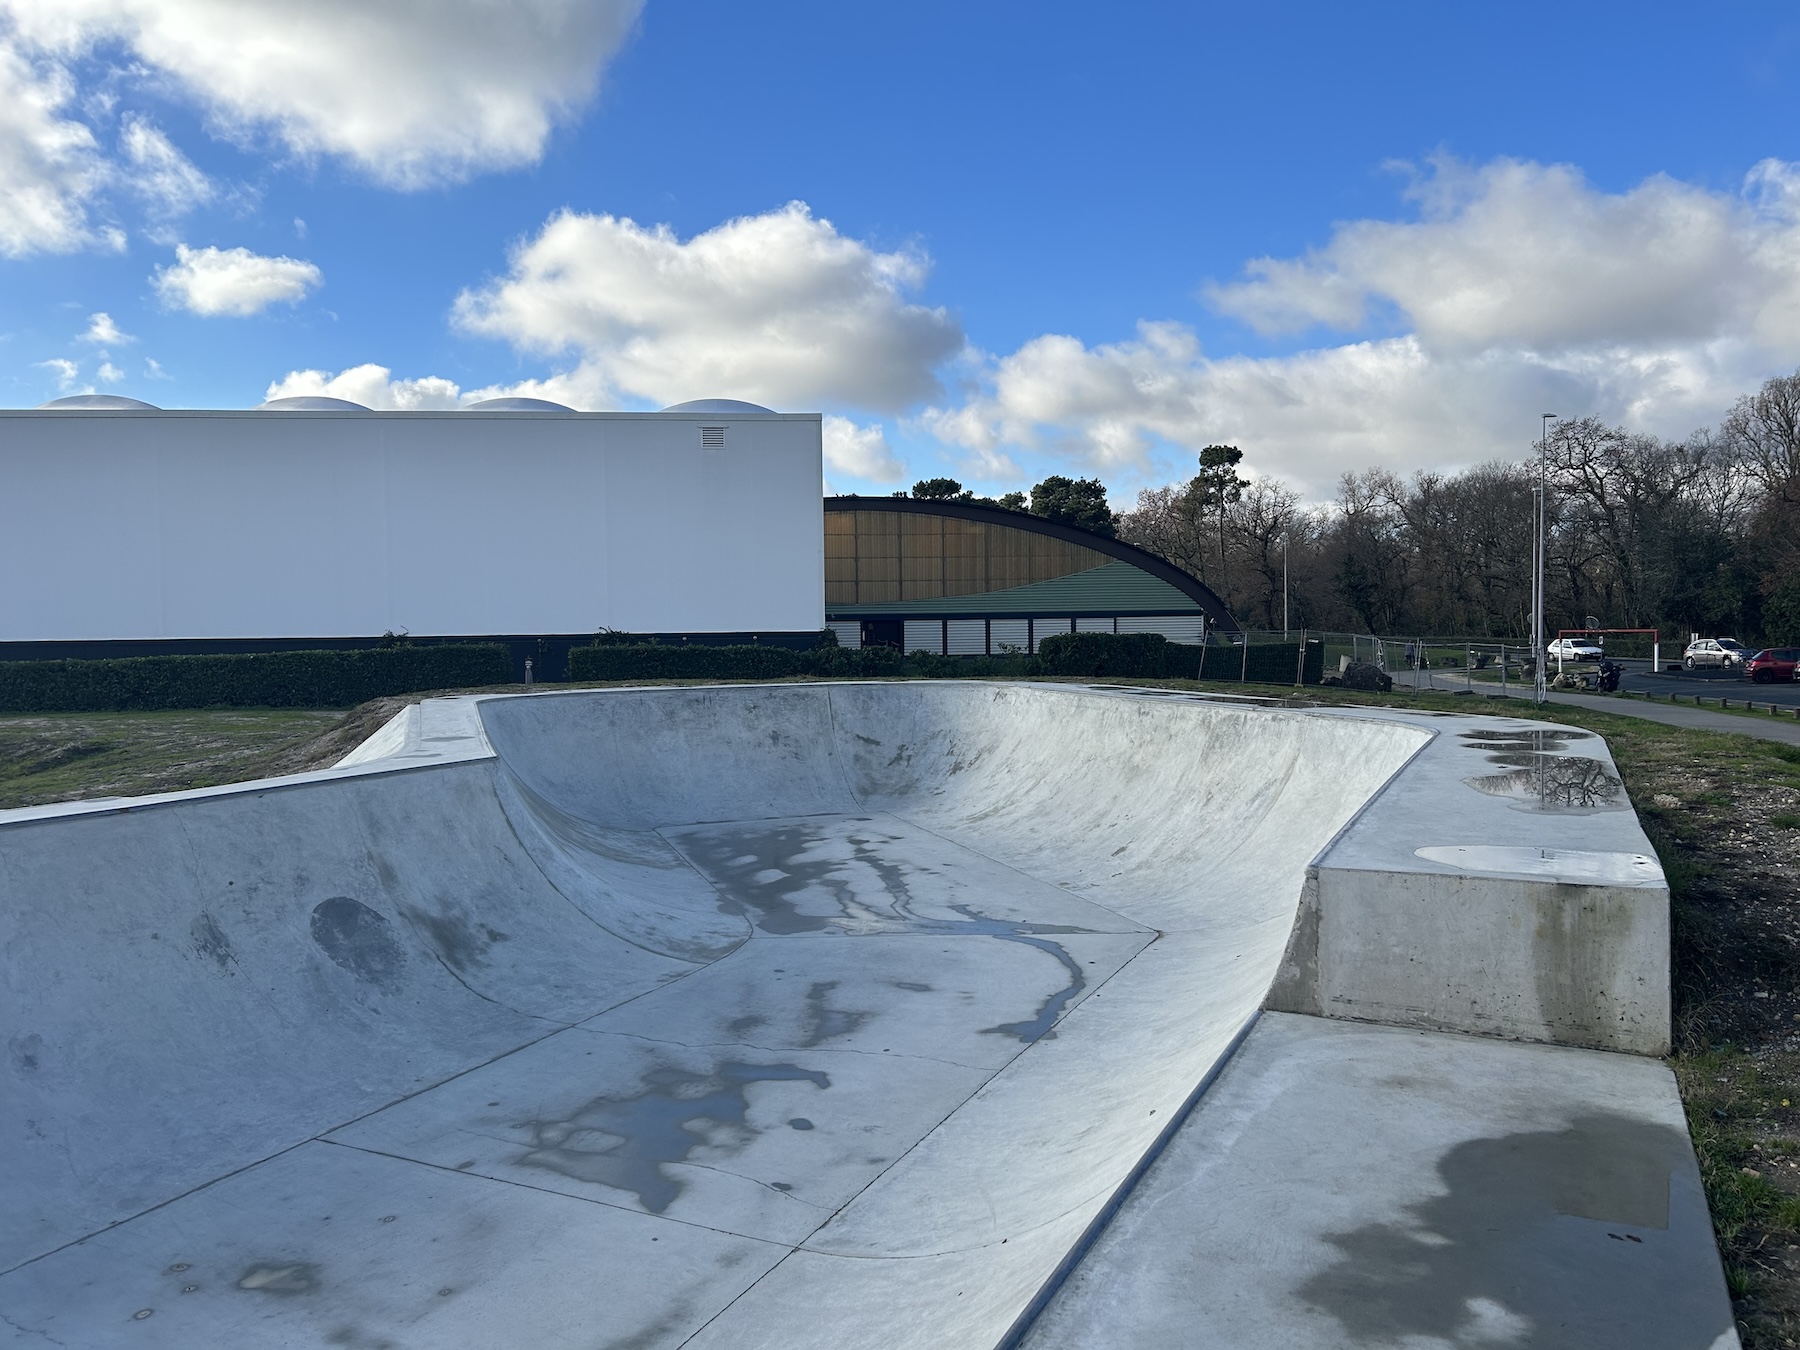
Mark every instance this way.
x=1773 y=663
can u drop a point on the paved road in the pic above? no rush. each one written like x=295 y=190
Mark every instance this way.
x=1766 y=727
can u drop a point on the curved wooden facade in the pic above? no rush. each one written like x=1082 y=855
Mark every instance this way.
x=894 y=558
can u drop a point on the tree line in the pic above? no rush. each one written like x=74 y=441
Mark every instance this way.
x=1700 y=535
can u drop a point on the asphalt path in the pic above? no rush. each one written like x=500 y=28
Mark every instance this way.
x=1684 y=685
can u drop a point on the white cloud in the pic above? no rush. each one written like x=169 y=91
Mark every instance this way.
x=1521 y=290
x=413 y=92
x=102 y=331
x=233 y=281
x=158 y=171
x=66 y=372
x=50 y=164
x=109 y=373
x=1532 y=254
x=860 y=451
x=372 y=386
x=778 y=308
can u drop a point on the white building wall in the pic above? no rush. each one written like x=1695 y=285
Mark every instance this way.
x=143 y=525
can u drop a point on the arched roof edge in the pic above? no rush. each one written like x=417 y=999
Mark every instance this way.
x=1185 y=582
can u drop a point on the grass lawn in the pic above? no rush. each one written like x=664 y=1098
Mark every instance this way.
x=1723 y=812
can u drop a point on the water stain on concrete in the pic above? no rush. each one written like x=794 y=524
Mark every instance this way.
x=1515 y=1248
x=794 y=877
x=280 y=1277
x=27 y=1051
x=628 y=1143
x=358 y=940
x=210 y=941
x=823 y=1022
x=463 y=943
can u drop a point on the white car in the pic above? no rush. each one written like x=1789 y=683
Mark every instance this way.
x=1716 y=652
x=1574 y=649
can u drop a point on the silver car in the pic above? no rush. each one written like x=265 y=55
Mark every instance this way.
x=1718 y=653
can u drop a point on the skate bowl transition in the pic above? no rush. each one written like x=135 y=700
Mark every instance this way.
x=791 y=1015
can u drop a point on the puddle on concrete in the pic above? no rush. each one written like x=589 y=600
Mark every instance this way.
x=1563 y=783
x=1510 y=1252
x=626 y=1143
x=794 y=877
x=1528 y=742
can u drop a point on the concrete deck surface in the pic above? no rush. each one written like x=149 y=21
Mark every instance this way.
x=1345 y=1186
x=829 y=1015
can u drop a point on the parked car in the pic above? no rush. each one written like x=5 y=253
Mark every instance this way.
x=1574 y=649
x=1773 y=663
x=1719 y=653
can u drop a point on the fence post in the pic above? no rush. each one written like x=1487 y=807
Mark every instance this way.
x=1201 y=673
x=1300 y=662
x=1244 y=670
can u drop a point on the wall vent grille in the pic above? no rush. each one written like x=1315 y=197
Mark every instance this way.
x=712 y=438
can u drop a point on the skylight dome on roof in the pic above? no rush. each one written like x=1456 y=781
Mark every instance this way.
x=101 y=402
x=718 y=405
x=517 y=405
x=310 y=403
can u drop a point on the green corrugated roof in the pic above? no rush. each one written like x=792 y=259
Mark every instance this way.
x=1111 y=588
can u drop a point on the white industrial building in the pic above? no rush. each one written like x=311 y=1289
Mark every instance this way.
x=126 y=528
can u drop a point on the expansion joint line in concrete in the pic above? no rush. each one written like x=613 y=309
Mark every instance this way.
x=566 y=1195
x=1021 y=1327
x=1089 y=1235
x=320 y=1138
x=589 y=1029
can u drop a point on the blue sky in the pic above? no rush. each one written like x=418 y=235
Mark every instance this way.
x=1035 y=237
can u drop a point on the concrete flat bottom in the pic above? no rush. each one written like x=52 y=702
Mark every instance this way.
x=1351 y=1185
x=820 y=1016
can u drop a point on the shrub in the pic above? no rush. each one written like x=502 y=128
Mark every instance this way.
x=694 y=661
x=1115 y=654
x=305 y=679
x=1150 y=655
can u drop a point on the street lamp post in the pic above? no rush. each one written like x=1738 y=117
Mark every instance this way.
x=1539 y=655
x=1284 y=586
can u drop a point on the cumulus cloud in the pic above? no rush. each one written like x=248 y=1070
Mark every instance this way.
x=860 y=451
x=372 y=386
x=1519 y=289
x=413 y=92
x=1533 y=255
x=109 y=373
x=233 y=281
x=777 y=308
x=50 y=164
x=103 y=332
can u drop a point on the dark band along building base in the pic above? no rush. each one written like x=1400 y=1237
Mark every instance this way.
x=966 y=580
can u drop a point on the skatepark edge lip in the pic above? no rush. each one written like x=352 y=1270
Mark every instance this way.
x=959 y=775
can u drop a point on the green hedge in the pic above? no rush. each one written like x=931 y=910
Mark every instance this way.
x=308 y=679
x=1085 y=655
x=1143 y=655
x=695 y=661
x=1152 y=656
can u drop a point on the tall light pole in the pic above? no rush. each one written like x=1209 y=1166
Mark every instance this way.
x=1284 y=585
x=1540 y=686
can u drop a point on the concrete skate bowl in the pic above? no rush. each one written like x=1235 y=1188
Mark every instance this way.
x=757 y=1016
